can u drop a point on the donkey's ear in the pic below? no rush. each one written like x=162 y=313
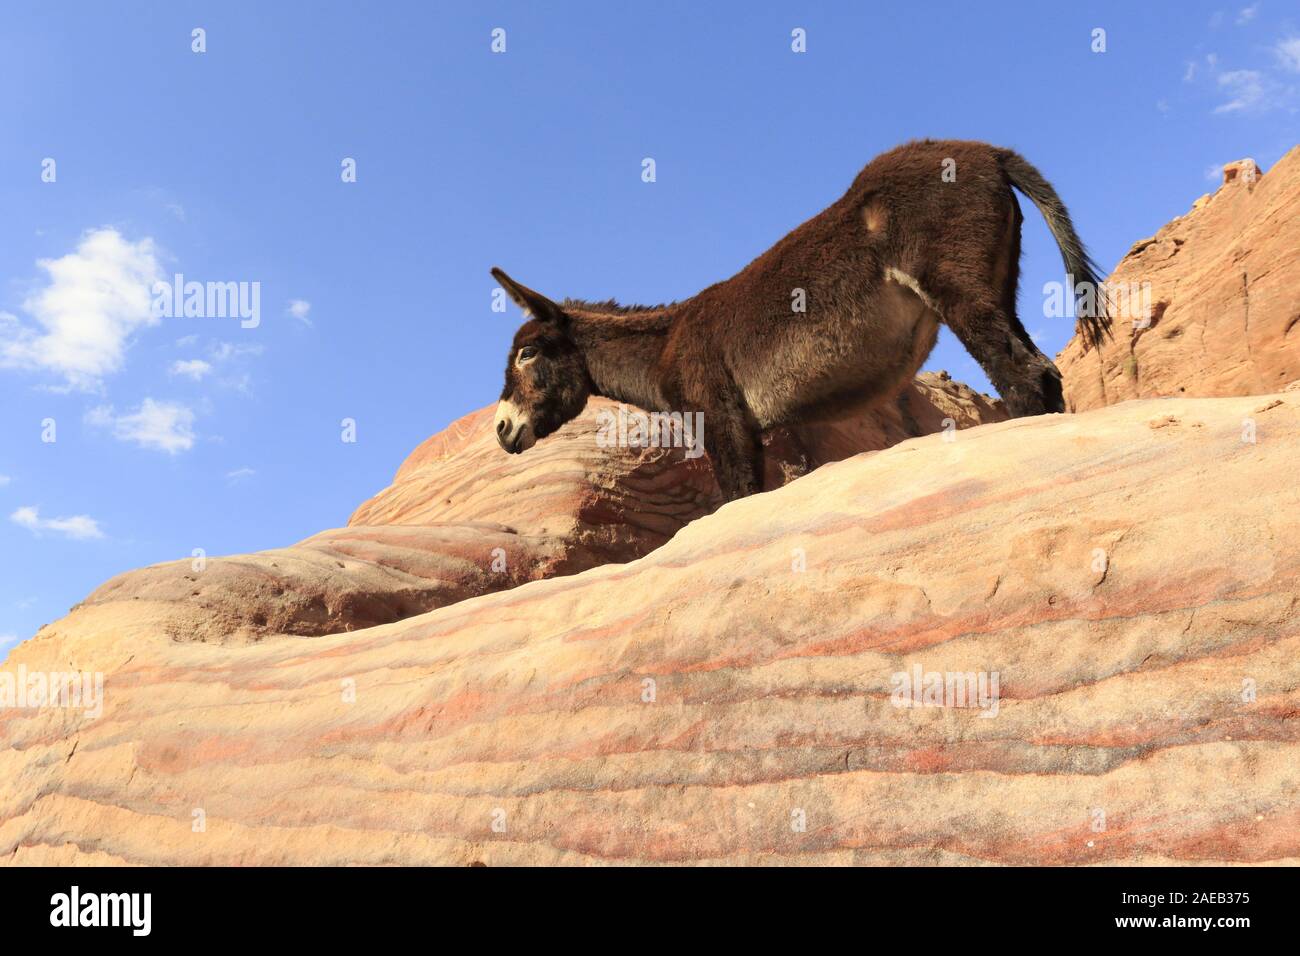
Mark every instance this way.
x=534 y=303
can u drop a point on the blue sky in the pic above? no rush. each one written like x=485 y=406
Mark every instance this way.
x=175 y=433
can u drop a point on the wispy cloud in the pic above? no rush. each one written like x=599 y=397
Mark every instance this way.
x=4 y=480
x=79 y=527
x=157 y=196
x=230 y=356
x=81 y=321
x=1250 y=91
x=163 y=426
x=239 y=474
x=193 y=369
x=299 y=308
x=225 y=351
x=1288 y=53
x=242 y=383
x=1246 y=87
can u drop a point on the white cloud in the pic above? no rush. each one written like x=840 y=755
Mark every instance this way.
x=1247 y=14
x=95 y=299
x=243 y=384
x=79 y=527
x=1246 y=87
x=4 y=480
x=190 y=368
x=164 y=426
x=224 y=351
x=239 y=474
x=1288 y=53
x=1214 y=173
x=299 y=308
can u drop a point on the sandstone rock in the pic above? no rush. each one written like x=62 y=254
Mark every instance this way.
x=338 y=580
x=463 y=518
x=727 y=698
x=630 y=501
x=934 y=403
x=1223 y=305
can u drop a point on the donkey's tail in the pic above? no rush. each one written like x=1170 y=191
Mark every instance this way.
x=1094 y=317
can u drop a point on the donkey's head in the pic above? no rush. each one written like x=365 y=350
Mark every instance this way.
x=547 y=383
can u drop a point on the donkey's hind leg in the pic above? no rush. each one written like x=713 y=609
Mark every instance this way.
x=735 y=448
x=1027 y=380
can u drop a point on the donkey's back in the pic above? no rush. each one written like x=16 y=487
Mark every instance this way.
x=849 y=303
x=847 y=306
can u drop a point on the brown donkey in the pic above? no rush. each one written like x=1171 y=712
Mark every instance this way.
x=847 y=306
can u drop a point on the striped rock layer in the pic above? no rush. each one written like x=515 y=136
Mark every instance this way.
x=463 y=518
x=1130 y=574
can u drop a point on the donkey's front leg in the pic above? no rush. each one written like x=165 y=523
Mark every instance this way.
x=735 y=448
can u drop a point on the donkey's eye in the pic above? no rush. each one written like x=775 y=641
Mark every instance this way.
x=527 y=353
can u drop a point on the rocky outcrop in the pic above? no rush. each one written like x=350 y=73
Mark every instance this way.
x=1207 y=306
x=463 y=518
x=628 y=501
x=1130 y=575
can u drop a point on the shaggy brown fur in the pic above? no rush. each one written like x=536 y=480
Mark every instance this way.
x=899 y=253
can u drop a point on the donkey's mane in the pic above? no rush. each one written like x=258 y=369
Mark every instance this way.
x=610 y=306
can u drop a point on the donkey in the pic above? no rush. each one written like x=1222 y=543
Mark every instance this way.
x=907 y=247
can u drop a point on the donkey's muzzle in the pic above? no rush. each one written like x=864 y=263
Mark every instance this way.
x=508 y=436
x=513 y=432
